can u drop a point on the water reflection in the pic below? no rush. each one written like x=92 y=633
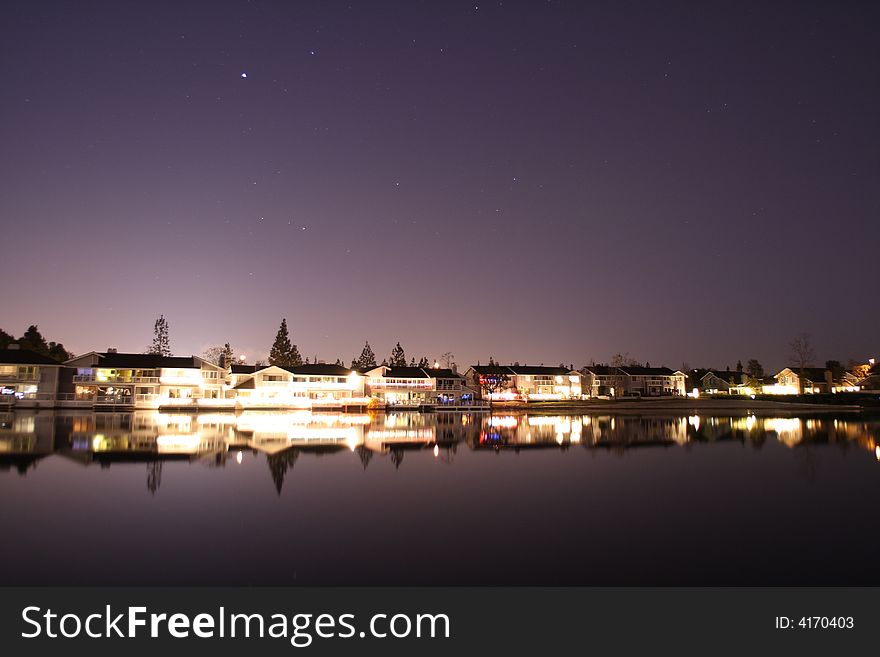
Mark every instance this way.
x=216 y=439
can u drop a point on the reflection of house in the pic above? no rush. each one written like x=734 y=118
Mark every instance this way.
x=303 y=386
x=146 y=380
x=417 y=386
x=525 y=382
x=27 y=378
x=792 y=381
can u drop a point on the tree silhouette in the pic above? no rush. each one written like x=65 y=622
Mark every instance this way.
x=161 y=337
x=283 y=352
x=398 y=357
x=279 y=464
x=365 y=455
x=366 y=359
x=154 y=476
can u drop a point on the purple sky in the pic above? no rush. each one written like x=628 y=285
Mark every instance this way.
x=536 y=181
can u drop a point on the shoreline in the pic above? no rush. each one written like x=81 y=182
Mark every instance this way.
x=678 y=406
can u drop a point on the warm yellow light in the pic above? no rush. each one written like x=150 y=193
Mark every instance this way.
x=436 y=450
x=238 y=457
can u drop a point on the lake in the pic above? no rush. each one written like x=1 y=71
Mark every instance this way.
x=443 y=498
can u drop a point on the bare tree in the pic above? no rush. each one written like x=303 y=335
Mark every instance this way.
x=801 y=356
x=624 y=360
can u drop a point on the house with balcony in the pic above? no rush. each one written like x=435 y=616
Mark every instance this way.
x=315 y=386
x=525 y=382
x=636 y=381
x=28 y=379
x=604 y=381
x=414 y=387
x=654 y=381
x=123 y=380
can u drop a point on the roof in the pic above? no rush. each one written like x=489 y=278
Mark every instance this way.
x=640 y=371
x=25 y=357
x=243 y=369
x=814 y=374
x=491 y=369
x=405 y=373
x=145 y=361
x=319 y=369
x=521 y=370
x=537 y=369
x=248 y=384
x=724 y=375
x=604 y=370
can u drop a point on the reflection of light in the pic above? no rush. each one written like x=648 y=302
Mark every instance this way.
x=178 y=443
x=507 y=421
x=436 y=450
x=788 y=429
x=238 y=457
x=750 y=422
x=877 y=452
x=694 y=421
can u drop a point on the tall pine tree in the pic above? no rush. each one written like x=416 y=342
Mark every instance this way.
x=284 y=353
x=161 y=338
x=398 y=357
x=366 y=359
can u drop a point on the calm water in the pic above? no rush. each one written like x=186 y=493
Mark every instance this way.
x=297 y=498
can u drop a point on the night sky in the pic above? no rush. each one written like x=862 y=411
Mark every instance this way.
x=534 y=181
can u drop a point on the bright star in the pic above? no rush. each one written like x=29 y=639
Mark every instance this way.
x=244 y=75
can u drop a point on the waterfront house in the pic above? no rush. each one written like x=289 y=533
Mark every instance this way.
x=28 y=379
x=604 y=381
x=796 y=380
x=525 y=382
x=417 y=386
x=719 y=382
x=112 y=379
x=608 y=381
x=653 y=381
x=303 y=386
x=872 y=381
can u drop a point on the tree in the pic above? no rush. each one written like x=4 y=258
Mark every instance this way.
x=424 y=362
x=366 y=359
x=161 y=337
x=739 y=366
x=859 y=370
x=623 y=360
x=283 y=352
x=5 y=339
x=448 y=360
x=58 y=352
x=398 y=357
x=33 y=340
x=215 y=354
x=754 y=369
x=412 y=361
x=802 y=355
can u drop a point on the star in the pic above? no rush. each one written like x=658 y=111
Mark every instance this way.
x=244 y=75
